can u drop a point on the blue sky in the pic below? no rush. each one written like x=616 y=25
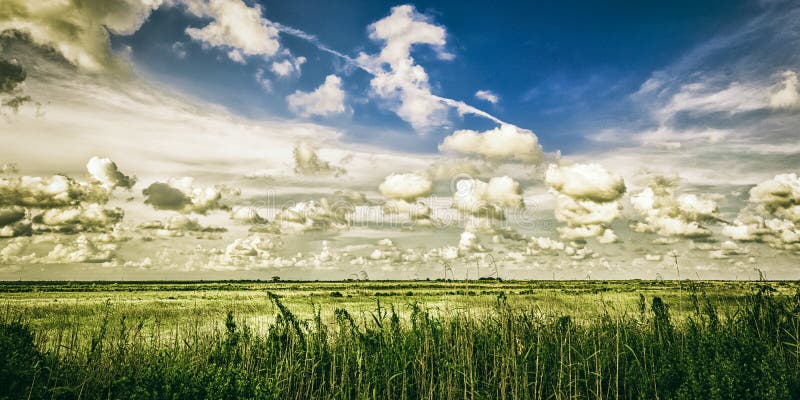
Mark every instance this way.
x=676 y=123
x=564 y=70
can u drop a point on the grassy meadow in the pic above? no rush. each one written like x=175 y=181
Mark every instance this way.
x=400 y=340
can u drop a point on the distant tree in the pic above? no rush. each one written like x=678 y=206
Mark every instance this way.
x=276 y=278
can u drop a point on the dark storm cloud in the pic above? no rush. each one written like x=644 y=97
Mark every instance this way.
x=162 y=196
x=9 y=215
x=11 y=75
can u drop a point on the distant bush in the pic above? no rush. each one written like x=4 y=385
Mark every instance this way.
x=336 y=294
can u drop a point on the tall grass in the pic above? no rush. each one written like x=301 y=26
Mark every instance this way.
x=751 y=352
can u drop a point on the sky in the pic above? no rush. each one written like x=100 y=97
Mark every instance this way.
x=241 y=139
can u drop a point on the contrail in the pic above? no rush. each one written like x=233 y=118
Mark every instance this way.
x=322 y=46
x=460 y=106
x=464 y=108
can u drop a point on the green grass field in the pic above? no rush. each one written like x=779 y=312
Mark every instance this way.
x=400 y=339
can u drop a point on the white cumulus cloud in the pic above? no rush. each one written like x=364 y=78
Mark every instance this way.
x=407 y=186
x=487 y=199
x=668 y=214
x=307 y=161
x=83 y=218
x=311 y=216
x=106 y=172
x=183 y=195
x=235 y=27
x=773 y=215
x=504 y=143
x=324 y=101
x=585 y=181
x=82 y=250
x=287 y=67
x=178 y=225
x=587 y=200
x=397 y=77
x=403 y=190
x=416 y=211
x=788 y=96
x=47 y=192
x=77 y=30
x=487 y=95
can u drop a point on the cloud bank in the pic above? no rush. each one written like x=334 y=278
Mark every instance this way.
x=668 y=214
x=587 y=200
x=773 y=214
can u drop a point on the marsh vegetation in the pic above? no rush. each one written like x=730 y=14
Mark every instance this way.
x=401 y=340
